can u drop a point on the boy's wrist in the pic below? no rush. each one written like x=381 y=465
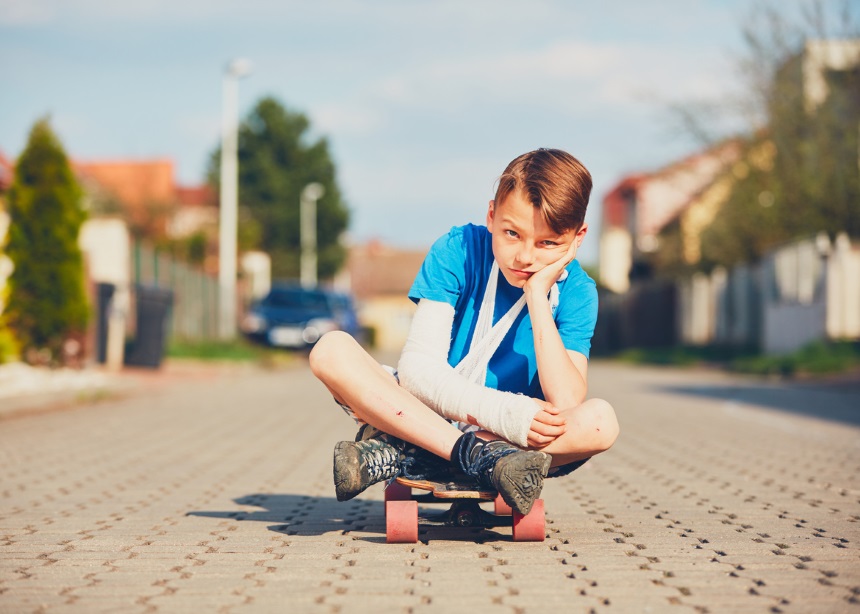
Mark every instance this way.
x=536 y=299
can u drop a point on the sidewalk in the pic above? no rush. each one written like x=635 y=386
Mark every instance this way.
x=211 y=491
x=26 y=390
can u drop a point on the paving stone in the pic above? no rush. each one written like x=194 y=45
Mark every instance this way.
x=213 y=493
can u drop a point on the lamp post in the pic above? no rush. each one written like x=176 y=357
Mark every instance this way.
x=228 y=217
x=308 y=226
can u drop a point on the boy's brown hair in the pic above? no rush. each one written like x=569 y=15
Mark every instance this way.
x=553 y=181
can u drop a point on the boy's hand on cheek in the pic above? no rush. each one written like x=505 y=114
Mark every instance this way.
x=541 y=282
x=547 y=425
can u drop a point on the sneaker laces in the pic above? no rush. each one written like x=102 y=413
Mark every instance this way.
x=415 y=462
x=380 y=458
x=478 y=458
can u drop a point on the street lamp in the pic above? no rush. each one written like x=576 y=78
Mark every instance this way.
x=228 y=219
x=308 y=225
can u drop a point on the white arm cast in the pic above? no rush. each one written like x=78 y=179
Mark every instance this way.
x=424 y=371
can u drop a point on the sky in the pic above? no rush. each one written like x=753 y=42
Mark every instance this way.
x=423 y=102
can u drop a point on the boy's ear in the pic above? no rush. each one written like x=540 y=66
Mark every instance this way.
x=580 y=234
x=490 y=212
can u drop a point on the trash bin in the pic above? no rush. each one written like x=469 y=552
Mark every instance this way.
x=153 y=309
x=104 y=295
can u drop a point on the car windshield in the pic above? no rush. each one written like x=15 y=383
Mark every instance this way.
x=305 y=299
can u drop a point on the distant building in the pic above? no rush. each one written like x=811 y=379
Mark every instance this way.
x=640 y=205
x=146 y=195
x=141 y=191
x=692 y=190
x=804 y=290
x=196 y=211
x=824 y=64
x=379 y=277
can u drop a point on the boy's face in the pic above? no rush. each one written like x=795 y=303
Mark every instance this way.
x=523 y=243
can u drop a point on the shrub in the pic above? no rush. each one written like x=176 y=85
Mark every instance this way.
x=47 y=302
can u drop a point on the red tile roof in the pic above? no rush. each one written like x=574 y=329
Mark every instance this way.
x=196 y=196
x=704 y=163
x=136 y=183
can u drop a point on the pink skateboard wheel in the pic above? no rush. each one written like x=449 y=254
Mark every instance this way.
x=532 y=526
x=401 y=522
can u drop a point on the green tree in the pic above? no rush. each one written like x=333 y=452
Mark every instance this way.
x=47 y=302
x=755 y=217
x=277 y=159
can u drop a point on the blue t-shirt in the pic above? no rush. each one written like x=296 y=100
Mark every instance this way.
x=456 y=271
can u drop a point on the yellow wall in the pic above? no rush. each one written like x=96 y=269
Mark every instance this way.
x=390 y=317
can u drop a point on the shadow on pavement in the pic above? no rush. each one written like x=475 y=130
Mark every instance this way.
x=837 y=402
x=303 y=515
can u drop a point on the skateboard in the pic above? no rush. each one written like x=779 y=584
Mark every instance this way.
x=402 y=518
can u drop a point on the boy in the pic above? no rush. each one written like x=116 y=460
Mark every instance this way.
x=499 y=344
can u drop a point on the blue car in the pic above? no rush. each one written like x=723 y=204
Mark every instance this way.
x=295 y=317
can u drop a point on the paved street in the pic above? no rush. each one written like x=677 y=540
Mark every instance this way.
x=211 y=492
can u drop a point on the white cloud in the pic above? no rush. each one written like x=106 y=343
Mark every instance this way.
x=405 y=200
x=35 y=12
x=561 y=60
x=574 y=78
x=25 y=12
x=345 y=119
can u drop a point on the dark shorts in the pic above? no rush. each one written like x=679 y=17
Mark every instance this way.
x=563 y=470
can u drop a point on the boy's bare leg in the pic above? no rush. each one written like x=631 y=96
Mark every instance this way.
x=358 y=381
x=592 y=428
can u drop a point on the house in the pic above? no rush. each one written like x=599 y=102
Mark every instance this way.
x=804 y=289
x=143 y=192
x=640 y=205
x=196 y=211
x=379 y=277
x=822 y=65
x=146 y=195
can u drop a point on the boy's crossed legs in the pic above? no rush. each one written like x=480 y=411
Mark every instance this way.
x=357 y=381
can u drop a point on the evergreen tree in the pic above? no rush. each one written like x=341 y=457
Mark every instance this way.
x=277 y=160
x=47 y=303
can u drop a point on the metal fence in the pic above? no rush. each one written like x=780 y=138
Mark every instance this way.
x=805 y=291
x=195 y=293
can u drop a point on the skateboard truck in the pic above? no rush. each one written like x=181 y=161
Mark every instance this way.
x=468 y=513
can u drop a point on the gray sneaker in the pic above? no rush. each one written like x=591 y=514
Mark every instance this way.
x=516 y=474
x=519 y=477
x=359 y=464
x=377 y=456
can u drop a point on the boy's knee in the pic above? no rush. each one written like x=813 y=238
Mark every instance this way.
x=608 y=422
x=328 y=351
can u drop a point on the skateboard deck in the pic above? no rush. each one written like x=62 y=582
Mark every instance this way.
x=402 y=518
x=450 y=489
